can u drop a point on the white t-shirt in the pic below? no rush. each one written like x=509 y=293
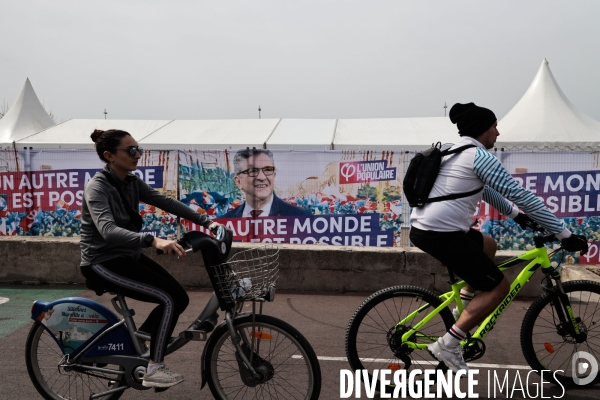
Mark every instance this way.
x=467 y=171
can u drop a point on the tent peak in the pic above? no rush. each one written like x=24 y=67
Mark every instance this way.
x=546 y=117
x=25 y=117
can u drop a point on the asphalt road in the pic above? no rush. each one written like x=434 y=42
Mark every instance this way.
x=322 y=318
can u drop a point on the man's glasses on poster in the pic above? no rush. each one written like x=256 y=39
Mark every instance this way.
x=253 y=172
x=133 y=150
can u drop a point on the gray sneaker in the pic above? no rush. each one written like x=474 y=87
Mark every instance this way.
x=453 y=358
x=162 y=377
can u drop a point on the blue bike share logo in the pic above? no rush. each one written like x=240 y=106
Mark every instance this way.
x=584 y=363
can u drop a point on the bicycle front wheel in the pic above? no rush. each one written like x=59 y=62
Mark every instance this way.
x=374 y=338
x=281 y=354
x=54 y=382
x=546 y=342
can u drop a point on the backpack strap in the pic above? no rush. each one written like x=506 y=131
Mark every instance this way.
x=457 y=150
x=455 y=195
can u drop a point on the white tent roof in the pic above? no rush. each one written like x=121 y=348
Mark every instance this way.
x=75 y=133
x=393 y=133
x=303 y=134
x=545 y=119
x=299 y=134
x=26 y=116
x=211 y=134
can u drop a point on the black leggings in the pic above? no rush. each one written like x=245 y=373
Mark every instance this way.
x=146 y=281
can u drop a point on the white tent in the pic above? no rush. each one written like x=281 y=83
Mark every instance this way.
x=296 y=134
x=393 y=133
x=545 y=119
x=303 y=134
x=26 y=117
x=159 y=134
x=211 y=134
x=75 y=133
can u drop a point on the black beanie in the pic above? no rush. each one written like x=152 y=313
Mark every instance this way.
x=471 y=120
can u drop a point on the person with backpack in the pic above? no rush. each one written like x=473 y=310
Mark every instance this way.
x=444 y=206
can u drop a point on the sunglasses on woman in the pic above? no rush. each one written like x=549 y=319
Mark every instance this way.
x=133 y=150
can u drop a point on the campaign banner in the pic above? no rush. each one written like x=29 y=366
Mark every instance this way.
x=566 y=194
x=572 y=196
x=366 y=171
x=592 y=257
x=44 y=197
x=297 y=196
x=53 y=190
x=331 y=229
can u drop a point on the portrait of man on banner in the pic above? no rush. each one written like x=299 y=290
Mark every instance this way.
x=254 y=175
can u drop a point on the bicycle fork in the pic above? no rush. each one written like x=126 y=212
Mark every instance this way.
x=569 y=323
x=253 y=368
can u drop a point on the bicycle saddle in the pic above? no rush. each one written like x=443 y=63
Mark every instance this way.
x=99 y=289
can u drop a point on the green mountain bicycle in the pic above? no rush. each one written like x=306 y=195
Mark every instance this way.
x=392 y=328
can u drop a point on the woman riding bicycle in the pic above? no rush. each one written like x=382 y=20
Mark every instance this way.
x=111 y=244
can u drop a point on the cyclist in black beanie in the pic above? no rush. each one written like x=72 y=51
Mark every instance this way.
x=442 y=229
x=470 y=119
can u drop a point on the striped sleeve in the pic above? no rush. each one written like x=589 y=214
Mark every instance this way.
x=496 y=200
x=491 y=171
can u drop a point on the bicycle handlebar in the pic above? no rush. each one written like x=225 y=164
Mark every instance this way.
x=180 y=242
x=215 y=250
x=546 y=237
x=541 y=240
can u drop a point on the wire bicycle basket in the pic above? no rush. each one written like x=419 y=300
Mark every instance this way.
x=248 y=275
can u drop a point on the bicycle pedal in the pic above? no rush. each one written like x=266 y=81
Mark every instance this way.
x=160 y=389
x=194 y=335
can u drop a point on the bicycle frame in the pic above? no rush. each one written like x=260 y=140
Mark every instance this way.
x=539 y=259
x=134 y=361
x=135 y=364
x=90 y=336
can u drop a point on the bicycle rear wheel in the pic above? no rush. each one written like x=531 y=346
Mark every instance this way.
x=280 y=352
x=547 y=345
x=43 y=355
x=373 y=339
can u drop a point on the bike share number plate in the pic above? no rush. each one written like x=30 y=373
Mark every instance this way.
x=74 y=324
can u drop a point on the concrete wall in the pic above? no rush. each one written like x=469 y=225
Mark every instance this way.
x=302 y=267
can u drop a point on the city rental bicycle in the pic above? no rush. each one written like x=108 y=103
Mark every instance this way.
x=392 y=328
x=79 y=349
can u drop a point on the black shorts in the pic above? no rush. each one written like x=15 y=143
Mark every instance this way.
x=462 y=252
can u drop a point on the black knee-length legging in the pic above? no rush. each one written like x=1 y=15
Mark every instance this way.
x=147 y=281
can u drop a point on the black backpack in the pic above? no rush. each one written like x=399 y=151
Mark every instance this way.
x=422 y=173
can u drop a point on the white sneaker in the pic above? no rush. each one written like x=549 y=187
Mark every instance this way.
x=453 y=358
x=162 y=377
x=456 y=313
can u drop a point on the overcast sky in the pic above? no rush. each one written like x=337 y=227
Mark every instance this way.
x=297 y=59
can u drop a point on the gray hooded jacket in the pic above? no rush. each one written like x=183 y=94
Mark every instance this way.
x=106 y=228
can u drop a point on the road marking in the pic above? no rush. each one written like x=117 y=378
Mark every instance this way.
x=382 y=360
x=4 y=300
